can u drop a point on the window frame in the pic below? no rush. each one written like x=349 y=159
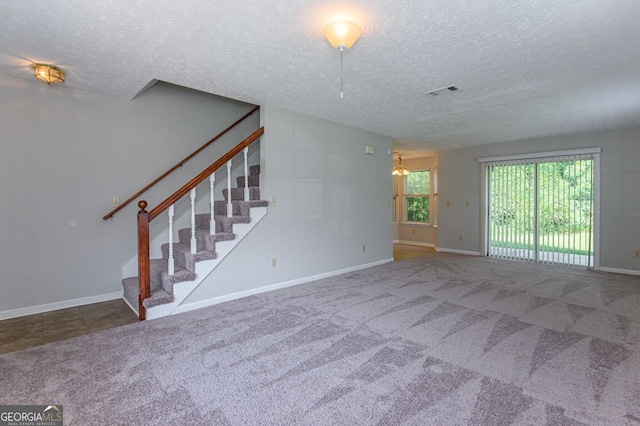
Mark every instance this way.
x=428 y=196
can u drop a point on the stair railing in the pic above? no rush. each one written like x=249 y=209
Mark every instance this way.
x=144 y=217
x=179 y=164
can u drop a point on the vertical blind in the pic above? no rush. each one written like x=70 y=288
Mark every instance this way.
x=541 y=209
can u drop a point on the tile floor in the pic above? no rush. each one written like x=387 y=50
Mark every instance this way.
x=33 y=330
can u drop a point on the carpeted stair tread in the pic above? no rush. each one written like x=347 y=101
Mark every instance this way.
x=240 y=208
x=256 y=203
x=224 y=224
x=254 y=170
x=253 y=181
x=218 y=236
x=164 y=282
x=183 y=256
x=179 y=276
x=204 y=241
x=224 y=236
x=161 y=267
x=237 y=194
x=131 y=286
x=158 y=297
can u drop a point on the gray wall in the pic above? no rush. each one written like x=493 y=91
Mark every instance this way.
x=459 y=173
x=65 y=154
x=331 y=198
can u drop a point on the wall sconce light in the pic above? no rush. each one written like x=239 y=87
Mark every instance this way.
x=342 y=35
x=48 y=73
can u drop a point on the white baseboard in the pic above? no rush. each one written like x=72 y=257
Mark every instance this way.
x=467 y=252
x=619 y=271
x=277 y=286
x=414 y=243
x=31 y=310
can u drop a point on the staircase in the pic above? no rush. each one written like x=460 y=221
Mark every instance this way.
x=169 y=291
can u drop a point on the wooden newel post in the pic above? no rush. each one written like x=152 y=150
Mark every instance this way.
x=144 y=264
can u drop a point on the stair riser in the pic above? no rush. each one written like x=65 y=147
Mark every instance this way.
x=253 y=181
x=184 y=258
x=239 y=209
x=223 y=223
x=178 y=256
x=169 y=280
x=237 y=194
x=156 y=270
x=204 y=241
x=223 y=226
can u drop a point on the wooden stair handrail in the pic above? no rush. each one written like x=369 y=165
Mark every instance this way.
x=180 y=164
x=156 y=211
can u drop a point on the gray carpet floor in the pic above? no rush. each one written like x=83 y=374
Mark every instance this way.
x=436 y=340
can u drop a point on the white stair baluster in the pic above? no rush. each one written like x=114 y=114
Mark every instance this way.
x=229 y=205
x=194 y=244
x=246 y=174
x=170 y=263
x=212 y=220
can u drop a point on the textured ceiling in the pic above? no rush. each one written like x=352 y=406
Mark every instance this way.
x=525 y=68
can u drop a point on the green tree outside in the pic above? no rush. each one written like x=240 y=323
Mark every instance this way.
x=417 y=190
x=565 y=205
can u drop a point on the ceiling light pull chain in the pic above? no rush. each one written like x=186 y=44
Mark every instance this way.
x=341 y=75
x=342 y=35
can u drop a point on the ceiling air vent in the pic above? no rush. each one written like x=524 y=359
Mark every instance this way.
x=442 y=91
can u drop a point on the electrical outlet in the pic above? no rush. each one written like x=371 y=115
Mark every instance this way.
x=448 y=203
x=459 y=237
x=637 y=253
x=115 y=202
x=364 y=248
x=413 y=231
x=273 y=202
x=273 y=262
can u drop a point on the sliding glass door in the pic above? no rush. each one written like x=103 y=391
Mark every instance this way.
x=541 y=209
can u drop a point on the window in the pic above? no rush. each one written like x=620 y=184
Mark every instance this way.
x=417 y=190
